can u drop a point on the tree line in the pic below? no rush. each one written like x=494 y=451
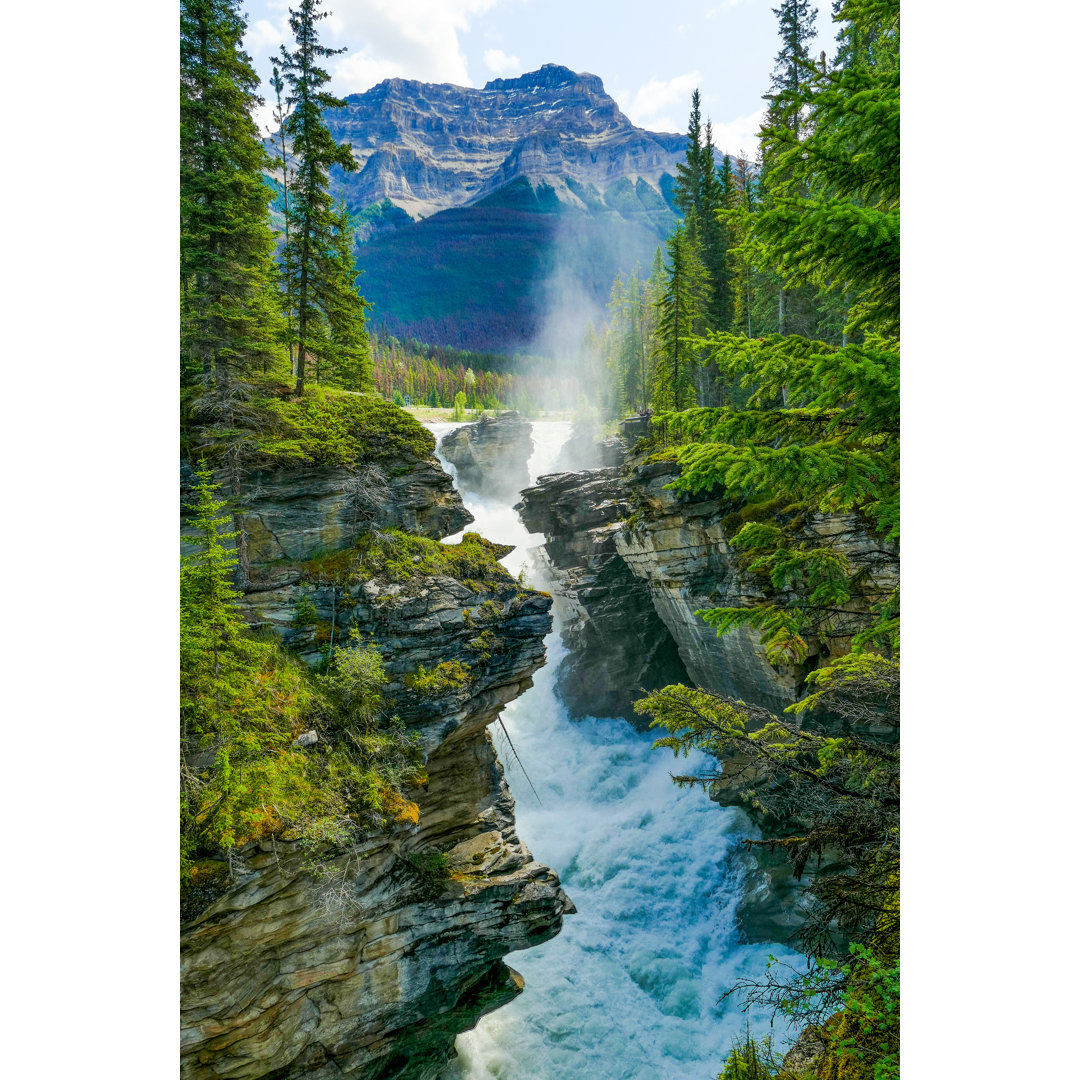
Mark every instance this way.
x=711 y=274
x=415 y=373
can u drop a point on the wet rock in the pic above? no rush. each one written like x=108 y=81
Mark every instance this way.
x=491 y=456
x=617 y=645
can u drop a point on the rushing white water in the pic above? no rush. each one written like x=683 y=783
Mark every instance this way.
x=632 y=987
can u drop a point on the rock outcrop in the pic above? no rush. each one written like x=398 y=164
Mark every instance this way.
x=367 y=961
x=617 y=644
x=633 y=561
x=677 y=549
x=491 y=457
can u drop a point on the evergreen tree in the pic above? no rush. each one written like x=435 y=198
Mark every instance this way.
x=228 y=327
x=312 y=244
x=348 y=351
x=679 y=315
x=281 y=114
x=794 y=66
x=698 y=192
x=626 y=343
x=687 y=189
x=835 y=449
x=793 y=70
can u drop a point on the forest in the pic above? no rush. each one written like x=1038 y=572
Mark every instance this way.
x=763 y=342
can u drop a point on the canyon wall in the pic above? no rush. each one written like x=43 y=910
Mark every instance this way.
x=365 y=962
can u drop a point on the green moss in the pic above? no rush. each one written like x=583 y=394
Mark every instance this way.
x=328 y=427
x=445 y=678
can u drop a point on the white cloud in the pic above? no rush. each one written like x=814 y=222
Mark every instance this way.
x=500 y=64
x=739 y=135
x=727 y=5
x=411 y=39
x=663 y=106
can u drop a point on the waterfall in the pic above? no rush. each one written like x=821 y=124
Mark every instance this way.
x=632 y=988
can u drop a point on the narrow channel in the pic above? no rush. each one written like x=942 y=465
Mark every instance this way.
x=632 y=988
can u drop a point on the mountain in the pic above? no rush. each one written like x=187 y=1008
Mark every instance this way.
x=496 y=218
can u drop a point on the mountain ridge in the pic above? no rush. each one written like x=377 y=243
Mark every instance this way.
x=432 y=146
x=483 y=211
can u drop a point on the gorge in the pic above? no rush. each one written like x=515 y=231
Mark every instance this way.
x=358 y=968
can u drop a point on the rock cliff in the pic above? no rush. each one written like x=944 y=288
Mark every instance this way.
x=431 y=146
x=367 y=962
x=676 y=549
x=491 y=456
x=634 y=561
x=617 y=644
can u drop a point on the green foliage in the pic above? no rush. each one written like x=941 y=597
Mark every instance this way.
x=836 y=793
x=752 y=1059
x=458 y=413
x=243 y=701
x=229 y=324
x=317 y=260
x=830 y=221
x=328 y=427
x=356 y=682
x=680 y=310
x=444 y=678
x=401 y=557
x=864 y=1039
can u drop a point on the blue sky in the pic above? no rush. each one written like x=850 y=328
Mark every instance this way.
x=650 y=55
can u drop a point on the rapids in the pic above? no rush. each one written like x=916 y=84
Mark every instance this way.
x=632 y=988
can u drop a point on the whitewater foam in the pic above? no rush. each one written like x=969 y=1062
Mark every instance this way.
x=633 y=987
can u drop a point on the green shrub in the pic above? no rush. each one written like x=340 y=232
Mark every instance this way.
x=445 y=678
x=432 y=871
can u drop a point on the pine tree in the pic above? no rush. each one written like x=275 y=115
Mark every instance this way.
x=281 y=114
x=687 y=189
x=794 y=66
x=835 y=448
x=678 y=316
x=227 y=326
x=314 y=151
x=348 y=351
x=698 y=194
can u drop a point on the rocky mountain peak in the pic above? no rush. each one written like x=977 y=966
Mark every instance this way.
x=550 y=76
x=429 y=147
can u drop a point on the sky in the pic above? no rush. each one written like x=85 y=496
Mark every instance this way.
x=651 y=55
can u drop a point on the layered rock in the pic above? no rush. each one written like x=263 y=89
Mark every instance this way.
x=432 y=146
x=491 y=457
x=360 y=967
x=617 y=645
x=677 y=549
x=634 y=561
x=365 y=962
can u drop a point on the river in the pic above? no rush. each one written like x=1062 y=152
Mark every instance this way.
x=632 y=988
